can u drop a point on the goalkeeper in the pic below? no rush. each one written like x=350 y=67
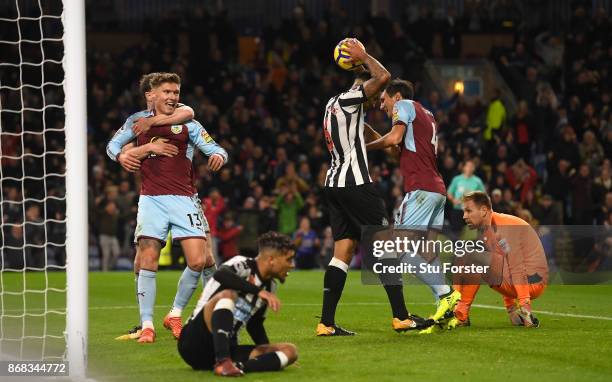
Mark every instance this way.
x=517 y=258
x=238 y=295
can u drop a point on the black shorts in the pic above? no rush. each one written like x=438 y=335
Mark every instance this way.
x=350 y=208
x=197 y=348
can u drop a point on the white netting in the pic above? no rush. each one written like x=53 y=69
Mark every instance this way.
x=32 y=193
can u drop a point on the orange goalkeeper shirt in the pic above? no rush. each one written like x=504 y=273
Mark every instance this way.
x=523 y=260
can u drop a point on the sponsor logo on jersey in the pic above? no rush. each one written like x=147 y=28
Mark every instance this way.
x=176 y=129
x=206 y=137
x=395 y=117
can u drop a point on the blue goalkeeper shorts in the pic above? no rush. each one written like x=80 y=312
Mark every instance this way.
x=421 y=210
x=160 y=214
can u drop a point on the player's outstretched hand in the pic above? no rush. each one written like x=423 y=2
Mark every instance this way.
x=142 y=125
x=129 y=162
x=273 y=301
x=215 y=162
x=355 y=49
x=161 y=147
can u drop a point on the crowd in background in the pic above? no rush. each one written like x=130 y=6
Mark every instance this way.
x=548 y=163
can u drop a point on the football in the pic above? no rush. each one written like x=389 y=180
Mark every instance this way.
x=342 y=58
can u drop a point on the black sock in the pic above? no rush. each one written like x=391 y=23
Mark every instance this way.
x=333 y=284
x=265 y=362
x=395 y=290
x=395 y=294
x=222 y=322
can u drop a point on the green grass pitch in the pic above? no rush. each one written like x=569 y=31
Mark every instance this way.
x=574 y=341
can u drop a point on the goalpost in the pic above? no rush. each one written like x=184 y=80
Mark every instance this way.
x=43 y=140
x=76 y=186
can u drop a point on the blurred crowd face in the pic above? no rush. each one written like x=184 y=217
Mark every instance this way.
x=305 y=224
x=468 y=169
x=496 y=197
x=166 y=97
x=463 y=119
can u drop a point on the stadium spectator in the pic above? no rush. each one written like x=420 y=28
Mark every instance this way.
x=213 y=206
x=228 y=234
x=307 y=244
x=289 y=202
x=248 y=219
x=108 y=218
x=582 y=201
x=496 y=116
x=522 y=178
x=460 y=185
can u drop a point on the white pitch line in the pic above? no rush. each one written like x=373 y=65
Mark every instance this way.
x=483 y=306
x=493 y=307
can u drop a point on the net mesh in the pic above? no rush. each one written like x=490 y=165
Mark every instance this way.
x=32 y=192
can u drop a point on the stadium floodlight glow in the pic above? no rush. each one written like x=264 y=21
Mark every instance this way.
x=459 y=87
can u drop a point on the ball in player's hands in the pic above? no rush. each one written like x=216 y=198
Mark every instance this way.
x=342 y=58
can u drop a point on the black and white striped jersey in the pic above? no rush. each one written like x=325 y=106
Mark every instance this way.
x=247 y=304
x=343 y=129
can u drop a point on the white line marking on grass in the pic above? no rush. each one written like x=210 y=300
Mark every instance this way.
x=483 y=306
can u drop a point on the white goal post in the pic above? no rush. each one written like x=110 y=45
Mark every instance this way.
x=75 y=91
x=43 y=183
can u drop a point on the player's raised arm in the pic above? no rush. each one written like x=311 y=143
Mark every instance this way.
x=380 y=75
x=206 y=144
x=181 y=114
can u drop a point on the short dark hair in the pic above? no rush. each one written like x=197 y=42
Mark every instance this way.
x=403 y=87
x=479 y=198
x=145 y=83
x=363 y=76
x=159 y=78
x=275 y=240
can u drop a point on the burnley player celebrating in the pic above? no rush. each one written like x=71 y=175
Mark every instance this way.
x=130 y=158
x=422 y=210
x=237 y=296
x=167 y=201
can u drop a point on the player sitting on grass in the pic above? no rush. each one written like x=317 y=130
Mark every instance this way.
x=237 y=296
x=517 y=256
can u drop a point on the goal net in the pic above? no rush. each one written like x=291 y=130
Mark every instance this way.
x=43 y=182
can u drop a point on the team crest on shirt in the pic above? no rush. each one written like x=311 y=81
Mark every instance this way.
x=176 y=129
x=205 y=136
x=385 y=222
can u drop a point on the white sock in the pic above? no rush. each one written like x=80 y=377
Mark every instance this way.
x=175 y=312
x=284 y=361
x=334 y=262
x=147 y=324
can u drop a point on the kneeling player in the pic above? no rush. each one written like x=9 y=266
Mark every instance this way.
x=517 y=256
x=237 y=296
